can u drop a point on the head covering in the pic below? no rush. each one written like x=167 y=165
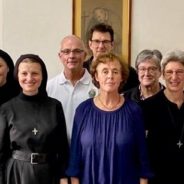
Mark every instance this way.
x=36 y=59
x=10 y=88
x=8 y=60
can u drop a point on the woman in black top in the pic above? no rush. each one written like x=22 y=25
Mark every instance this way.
x=164 y=122
x=33 y=140
x=8 y=86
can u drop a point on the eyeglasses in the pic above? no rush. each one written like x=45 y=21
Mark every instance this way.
x=104 y=42
x=152 y=69
x=169 y=73
x=74 y=51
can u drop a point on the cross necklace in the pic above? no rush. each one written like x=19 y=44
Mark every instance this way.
x=35 y=131
x=180 y=141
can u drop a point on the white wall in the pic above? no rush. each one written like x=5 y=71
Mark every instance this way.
x=157 y=24
x=1 y=23
x=36 y=27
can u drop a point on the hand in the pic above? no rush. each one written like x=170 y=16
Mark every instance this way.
x=143 y=181
x=74 y=180
x=64 y=181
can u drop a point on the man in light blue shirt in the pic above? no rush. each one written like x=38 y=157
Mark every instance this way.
x=74 y=84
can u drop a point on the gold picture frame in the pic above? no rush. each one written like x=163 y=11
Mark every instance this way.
x=116 y=12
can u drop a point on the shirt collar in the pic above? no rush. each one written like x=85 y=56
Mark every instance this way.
x=85 y=79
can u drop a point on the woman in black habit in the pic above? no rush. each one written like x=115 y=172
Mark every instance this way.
x=8 y=86
x=33 y=140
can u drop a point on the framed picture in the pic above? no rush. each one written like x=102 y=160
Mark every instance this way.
x=117 y=13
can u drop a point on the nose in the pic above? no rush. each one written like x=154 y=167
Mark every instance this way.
x=71 y=54
x=29 y=77
x=146 y=72
x=174 y=75
x=101 y=44
x=110 y=75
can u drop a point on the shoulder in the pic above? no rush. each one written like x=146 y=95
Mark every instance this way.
x=54 y=79
x=132 y=90
x=9 y=105
x=133 y=94
x=155 y=99
x=86 y=77
x=52 y=100
x=131 y=104
x=85 y=105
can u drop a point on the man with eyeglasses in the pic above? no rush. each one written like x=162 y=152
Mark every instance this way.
x=101 y=41
x=74 y=84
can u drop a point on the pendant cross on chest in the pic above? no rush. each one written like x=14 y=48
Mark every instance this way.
x=179 y=144
x=35 y=131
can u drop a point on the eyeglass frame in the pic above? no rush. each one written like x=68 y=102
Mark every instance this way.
x=151 y=69
x=178 y=72
x=104 y=42
x=74 y=51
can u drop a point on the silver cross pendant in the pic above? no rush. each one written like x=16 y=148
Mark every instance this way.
x=35 y=131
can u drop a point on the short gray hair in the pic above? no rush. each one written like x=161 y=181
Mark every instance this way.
x=155 y=55
x=175 y=55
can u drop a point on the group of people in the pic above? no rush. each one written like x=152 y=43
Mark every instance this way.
x=99 y=121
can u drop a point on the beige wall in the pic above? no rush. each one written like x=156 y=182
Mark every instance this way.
x=1 y=24
x=38 y=26
x=157 y=24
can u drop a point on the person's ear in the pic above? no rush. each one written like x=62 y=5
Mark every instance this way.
x=112 y=44
x=96 y=76
x=89 y=43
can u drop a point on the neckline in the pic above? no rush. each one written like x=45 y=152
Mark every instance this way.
x=97 y=108
x=142 y=97
x=167 y=96
x=105 y=107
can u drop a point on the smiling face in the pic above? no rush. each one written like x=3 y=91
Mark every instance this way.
x=109 y=76
x=72 y=53
x=3 y=71
x=29 y=77
x=173 y=75
x=148 y=73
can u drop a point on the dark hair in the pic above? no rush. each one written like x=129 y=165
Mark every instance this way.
x=101 y=27
x=8 y=60
x=109 y=57
x=35 y=59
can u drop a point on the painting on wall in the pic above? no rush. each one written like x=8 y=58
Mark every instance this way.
x=87 y=13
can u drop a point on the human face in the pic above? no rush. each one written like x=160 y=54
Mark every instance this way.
x=109 y=76
x=3 y=71
x=148 y=73
x=174 y=76
x=29 y=77
x=72 y=54
x=100 y=43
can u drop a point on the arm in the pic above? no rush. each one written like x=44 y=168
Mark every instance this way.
x=74 y=180
x=62 y=146
x=145 y=170
x=4 y=144
x=143 y=181
x=74 y=169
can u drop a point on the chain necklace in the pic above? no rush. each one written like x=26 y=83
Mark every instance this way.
x=112 y=107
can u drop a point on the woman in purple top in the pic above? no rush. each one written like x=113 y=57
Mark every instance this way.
x=108 y=140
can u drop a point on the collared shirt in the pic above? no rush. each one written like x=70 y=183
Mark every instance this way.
x=71 y=96
x=141 y=94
